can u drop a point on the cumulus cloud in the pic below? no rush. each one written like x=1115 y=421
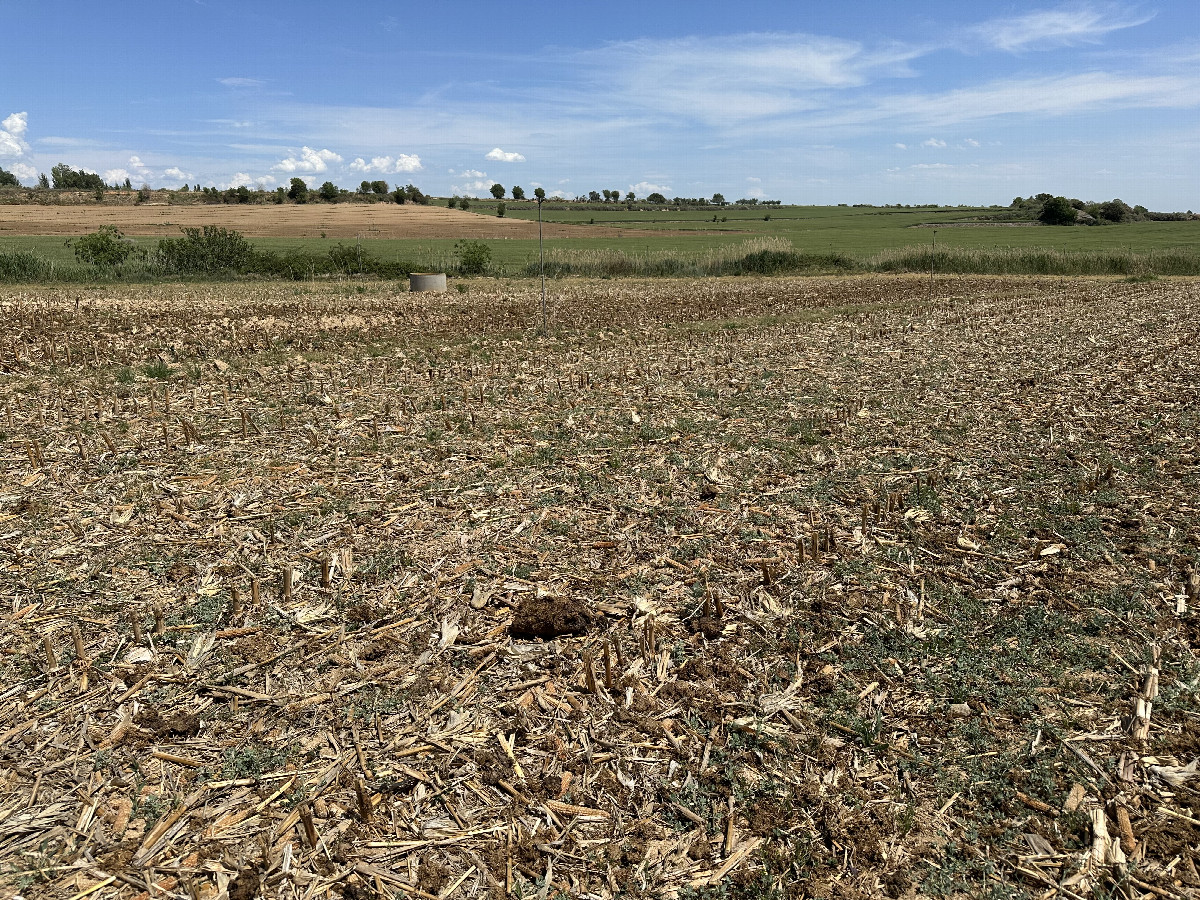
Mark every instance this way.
x=642 y=188
x=116 y=176
x=499 y=155
x=136 y=162
x=178 y=173
x=12 y=135
x=308 y=160
x=386 y=165
x=935 y=143
x=243 y=179
x=900 y=146
x=470 y=173
x=24 y=172
x=16 y=124
x=478 y=188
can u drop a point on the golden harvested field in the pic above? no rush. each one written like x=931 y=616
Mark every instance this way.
x=725 y=588
x=337 y=221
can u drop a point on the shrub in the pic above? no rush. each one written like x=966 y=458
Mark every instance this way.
x=106 y=248
x=500 y=210
x=474 y=257
x=24 y=265
x=1057 y=211
x=210 y=249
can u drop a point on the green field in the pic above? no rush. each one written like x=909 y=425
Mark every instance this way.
x=858 y=233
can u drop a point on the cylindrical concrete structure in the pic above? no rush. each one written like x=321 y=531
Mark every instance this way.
x=427 y=281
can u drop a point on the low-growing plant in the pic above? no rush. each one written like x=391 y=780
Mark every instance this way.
x=105 y=248
x=474 y=257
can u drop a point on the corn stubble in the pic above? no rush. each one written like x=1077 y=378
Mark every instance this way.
x=888 y=590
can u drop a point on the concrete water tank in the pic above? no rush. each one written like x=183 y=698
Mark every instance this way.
x=427 y=281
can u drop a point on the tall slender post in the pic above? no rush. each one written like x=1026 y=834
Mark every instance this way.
x=932 y=257
x=542 y=265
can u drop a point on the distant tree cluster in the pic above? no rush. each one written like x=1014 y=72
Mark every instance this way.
x=68 y=179
x=1052 y=210
x=64 y=178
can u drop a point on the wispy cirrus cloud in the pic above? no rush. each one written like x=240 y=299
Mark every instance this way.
x=739 y=77
x=1076 y=23
x=241 y=83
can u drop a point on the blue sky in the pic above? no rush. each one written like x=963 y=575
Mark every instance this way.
x=861 y=101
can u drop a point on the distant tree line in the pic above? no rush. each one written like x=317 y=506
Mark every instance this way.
x=498 y=192
x=1052 y=210
x=64 y=178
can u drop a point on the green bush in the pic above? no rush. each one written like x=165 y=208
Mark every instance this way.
x=207 y=249
x=24 y=265
x=106 y=248
x=1057 y=211
x=474 y=257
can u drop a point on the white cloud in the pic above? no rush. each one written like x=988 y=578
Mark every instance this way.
x=24 y=172
x=16 y=124
x=970 y=143
x=900 y=146
x=733 y=78
x=388 y=165
x=1075 y=23
x=241 y=82
x=499 y=155
x=935 y=143
x=754 y=179
x=136 y=162
x=178 y=173
x=241 y=179
x=308 y=160
x=480 y=188
x=642 y=188
x=116 y=176
x=12 y=135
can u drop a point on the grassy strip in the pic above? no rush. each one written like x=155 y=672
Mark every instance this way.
x=767 y=256
x=764 y=256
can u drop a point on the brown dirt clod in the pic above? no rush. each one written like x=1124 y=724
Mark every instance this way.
x=548 y=617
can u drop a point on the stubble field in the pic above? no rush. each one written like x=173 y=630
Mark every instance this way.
x=724 y=588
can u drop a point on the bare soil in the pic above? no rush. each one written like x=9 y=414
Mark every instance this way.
x=890 y=590
x=338 y=221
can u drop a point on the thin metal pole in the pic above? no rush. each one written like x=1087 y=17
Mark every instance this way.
x=932 y=256
x=542 y=265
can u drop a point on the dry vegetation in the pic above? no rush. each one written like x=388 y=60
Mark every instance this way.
x=335 y=221
x=725 y=589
